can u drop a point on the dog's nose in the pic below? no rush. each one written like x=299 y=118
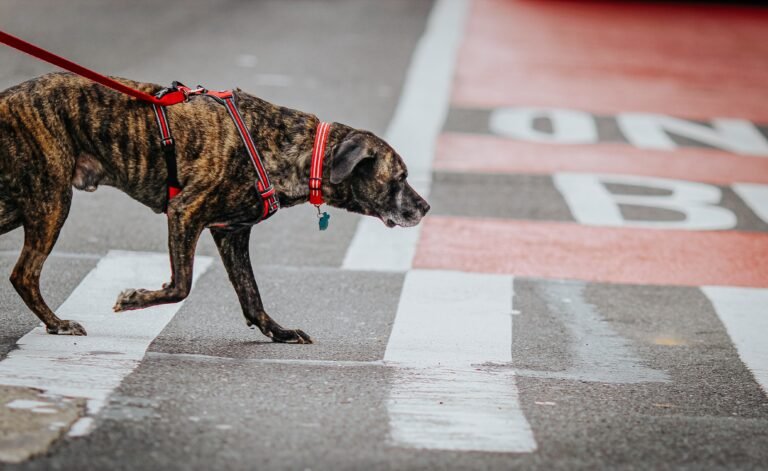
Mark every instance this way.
x=425 y=207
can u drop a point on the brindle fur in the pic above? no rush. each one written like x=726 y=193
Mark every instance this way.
x=60 y=131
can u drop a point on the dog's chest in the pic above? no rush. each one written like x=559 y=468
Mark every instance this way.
x=244 y=216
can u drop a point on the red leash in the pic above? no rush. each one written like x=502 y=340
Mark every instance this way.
x=66 y=64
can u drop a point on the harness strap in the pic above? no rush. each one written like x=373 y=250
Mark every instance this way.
x=166 y=139
x=263 y=185
x=226 y=98
x=316 y=167
x=169 y=153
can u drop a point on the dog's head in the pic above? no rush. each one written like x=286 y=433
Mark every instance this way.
x=369 y=177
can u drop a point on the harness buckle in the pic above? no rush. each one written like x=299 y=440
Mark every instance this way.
x=164 y=92
x=192 y=92
x=268 y=193
x=167 y=141
x=315 y=183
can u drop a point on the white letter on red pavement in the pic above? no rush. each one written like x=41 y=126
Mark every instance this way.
x=592 y=203
x=448 y=325
x=755 y=196
x=568 y=126
x=651 y=131
x=743 y=313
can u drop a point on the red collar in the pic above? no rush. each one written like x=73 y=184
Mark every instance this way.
x=316 y=169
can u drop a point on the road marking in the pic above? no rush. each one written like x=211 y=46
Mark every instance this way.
x=446 y=324
x=479 y=409
x=592 y=203
x=491 y=154
x=653 y=131
x=92 y=367
x=413 y=131
x=269 y=361
x=559 y=250
x=597 y=353
x=755 y=196
x=744 y=313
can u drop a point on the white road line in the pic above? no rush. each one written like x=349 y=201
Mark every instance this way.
x=448 y=322
x=744 y=313
x=597 y=352
x=267 y=361
x=755 y=196
x=418 y=119
x=92 y=367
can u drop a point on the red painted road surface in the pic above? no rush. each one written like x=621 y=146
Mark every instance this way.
x=686 y=61
x=683 y=60
x=604 y=254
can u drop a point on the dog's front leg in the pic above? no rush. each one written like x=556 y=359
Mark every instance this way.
x=184 y=228
x=233 y=247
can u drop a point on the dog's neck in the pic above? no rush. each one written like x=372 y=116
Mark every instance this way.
x=291 y=178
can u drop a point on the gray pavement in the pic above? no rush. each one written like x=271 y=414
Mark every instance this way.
x=610 y=376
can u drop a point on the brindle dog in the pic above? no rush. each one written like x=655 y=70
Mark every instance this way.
x=60 y=131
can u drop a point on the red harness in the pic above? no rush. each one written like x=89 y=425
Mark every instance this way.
x=226 y=98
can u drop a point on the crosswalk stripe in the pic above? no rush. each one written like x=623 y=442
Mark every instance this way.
x=413 y=131
x=744 y=313
x=92 y=367
x=447 y=324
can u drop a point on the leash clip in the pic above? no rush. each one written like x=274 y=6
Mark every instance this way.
x=200 y=90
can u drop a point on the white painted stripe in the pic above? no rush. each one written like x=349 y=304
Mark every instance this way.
x=755 y=196
x=266 y=361
x=744 y=313
x=413 y=131
x=446 y=324
x=92 y=367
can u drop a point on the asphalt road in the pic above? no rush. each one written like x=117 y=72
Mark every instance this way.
x=637 y=375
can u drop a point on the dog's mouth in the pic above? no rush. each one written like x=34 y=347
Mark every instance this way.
x=389 y=222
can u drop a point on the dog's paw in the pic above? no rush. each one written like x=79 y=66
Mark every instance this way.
x=67 y=328
x=289 y=336
x=128 y=300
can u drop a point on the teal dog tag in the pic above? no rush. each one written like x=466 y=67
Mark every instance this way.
x=322 y=221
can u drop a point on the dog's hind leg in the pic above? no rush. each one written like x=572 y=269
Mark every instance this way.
x=43 y=219
x=233 y=247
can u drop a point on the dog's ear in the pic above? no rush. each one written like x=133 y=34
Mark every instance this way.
x=347 y=155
